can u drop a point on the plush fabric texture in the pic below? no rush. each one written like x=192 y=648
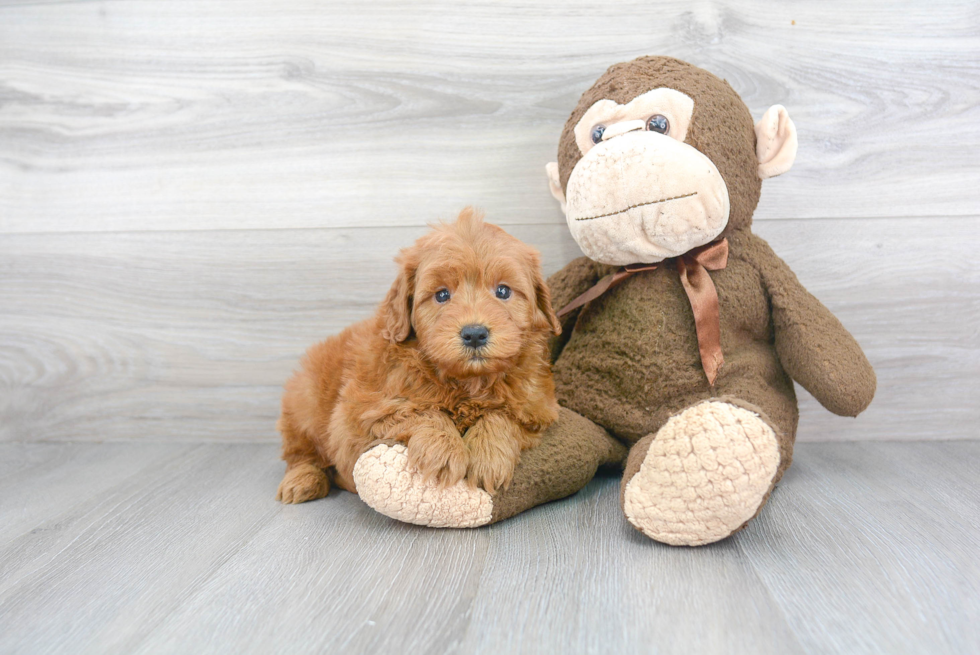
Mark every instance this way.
x=721 y=128
x=388 y=482
x=775 y=142
x=676 y=107
x=617 y=194
x=570 y=453
x=630 y=358
x=704 y=474
x=568 y=456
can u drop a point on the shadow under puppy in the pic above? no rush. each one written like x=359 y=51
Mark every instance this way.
x=454 y=363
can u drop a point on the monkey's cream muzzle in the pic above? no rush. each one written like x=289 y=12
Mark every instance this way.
x=640 y=196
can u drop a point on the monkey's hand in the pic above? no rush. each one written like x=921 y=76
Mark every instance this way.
x=813 y=347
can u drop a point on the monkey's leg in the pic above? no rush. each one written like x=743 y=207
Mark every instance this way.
x=703 y=475
x=566 y=459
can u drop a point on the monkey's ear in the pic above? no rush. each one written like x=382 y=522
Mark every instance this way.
x=554 y=181
x=396 y=308
x=775 y=142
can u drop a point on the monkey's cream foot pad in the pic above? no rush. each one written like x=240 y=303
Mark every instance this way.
x=707 y=473
x=390 y=485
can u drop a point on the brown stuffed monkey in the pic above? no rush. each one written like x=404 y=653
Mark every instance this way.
x=682 y=330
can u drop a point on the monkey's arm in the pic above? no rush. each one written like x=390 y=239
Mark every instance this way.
x=566 y=285
x=812 y=345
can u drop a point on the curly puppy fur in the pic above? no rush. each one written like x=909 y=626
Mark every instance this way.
x=408 y=374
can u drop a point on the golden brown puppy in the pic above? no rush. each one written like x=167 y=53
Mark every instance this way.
x=454 y=363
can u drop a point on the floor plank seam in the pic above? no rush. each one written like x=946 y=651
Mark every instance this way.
x=167 y=461
x=196 y=587
x=770 y=594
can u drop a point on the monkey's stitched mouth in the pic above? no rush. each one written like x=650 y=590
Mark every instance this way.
x=642 y=204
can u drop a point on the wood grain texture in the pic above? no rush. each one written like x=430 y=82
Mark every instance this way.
x=864 y=548
x=575 y=577
x=56 y=472
x=134 y=550
x=362 y=582
x=67 y=489
x=121 y=115
x=189 y=335
x=862 y=530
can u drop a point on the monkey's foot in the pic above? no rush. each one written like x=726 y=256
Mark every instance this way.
x=702 y=477
x=389 y=484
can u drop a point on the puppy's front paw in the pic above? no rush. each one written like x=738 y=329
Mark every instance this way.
x=302 y=483
x=493 y=454
x=438 y=456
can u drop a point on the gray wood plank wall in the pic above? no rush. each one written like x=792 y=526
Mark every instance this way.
x=193 y=192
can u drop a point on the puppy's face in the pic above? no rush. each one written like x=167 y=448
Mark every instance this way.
x=473 y=295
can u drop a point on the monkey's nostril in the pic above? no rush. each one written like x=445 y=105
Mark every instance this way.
x=474 y=336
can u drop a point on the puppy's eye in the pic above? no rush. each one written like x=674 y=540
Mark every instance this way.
x=597 y=133
x=503 y=291
x=442 y=296
x=658 y=123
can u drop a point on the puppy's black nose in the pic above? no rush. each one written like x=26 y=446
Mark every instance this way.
x=475 y=336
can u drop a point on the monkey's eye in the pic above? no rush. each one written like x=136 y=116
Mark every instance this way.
x=597 y=133
x=442 y=296
x=658 y=123
x=503 y=291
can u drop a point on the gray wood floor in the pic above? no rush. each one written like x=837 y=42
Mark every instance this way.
x=158 y=548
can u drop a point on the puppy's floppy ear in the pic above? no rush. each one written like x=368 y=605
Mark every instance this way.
x=396 y=308
x=545 y=317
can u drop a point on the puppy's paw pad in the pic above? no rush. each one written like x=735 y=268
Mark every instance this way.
x=707 y=472
x=301 y=484
x=389 y=484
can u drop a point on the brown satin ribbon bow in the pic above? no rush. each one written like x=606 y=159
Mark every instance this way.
x=693 y=267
